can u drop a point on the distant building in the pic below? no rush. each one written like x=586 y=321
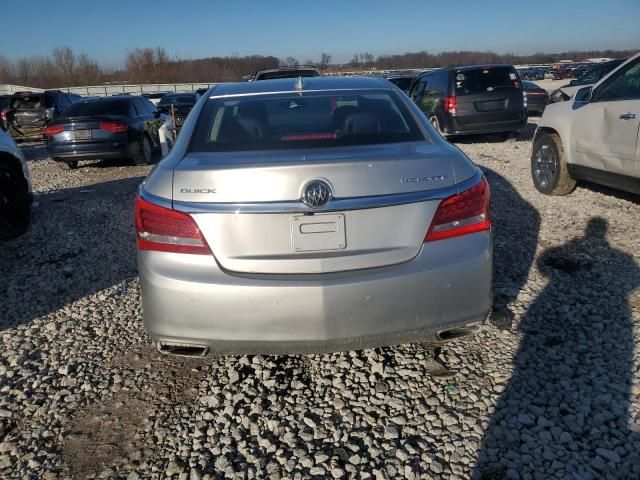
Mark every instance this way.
x=598 y=60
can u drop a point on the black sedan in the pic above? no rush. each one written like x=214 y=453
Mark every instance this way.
x=179 y=105
x=105 y=128
x=537 y=98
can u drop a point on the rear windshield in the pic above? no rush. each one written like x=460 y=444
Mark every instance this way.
x=178 y=99
x=309 y=120
x=30 y=102
x=89 y=108
x=287 y=74
x=482 y=80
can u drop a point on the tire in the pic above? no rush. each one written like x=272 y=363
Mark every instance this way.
x=504 y=136
x=144 y=152
x=549 y=170
x=436 y=124
x=68 y=165
x=15 y=204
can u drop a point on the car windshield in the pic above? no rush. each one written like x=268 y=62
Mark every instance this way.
x=308 y=120
x=594 y=74
x=403 y=83
x=178 y=100
x=97 y=107
x=469 y=82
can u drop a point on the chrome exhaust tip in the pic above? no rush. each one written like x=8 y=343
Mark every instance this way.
x=183 y=349
x=457 y=332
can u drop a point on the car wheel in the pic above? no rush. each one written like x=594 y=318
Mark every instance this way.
x=435 y=124
x=15 y=207
x=144 y=155
x=68 y=165
x=549 y=170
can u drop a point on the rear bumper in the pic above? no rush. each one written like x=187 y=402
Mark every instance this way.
x=190 y=299
x=452 y=126
x=537 y=104
x=89 y=152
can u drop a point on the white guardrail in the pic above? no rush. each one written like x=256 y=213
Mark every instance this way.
x=137 y=89
x=108 y=90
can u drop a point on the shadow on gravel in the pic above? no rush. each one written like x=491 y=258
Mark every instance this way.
x=515 y=225
x=524 y=135
x=81 y=241
x=565 y=412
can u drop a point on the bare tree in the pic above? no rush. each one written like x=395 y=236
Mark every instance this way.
x=325 y=60
x=355 y=62
x=291 y=62
x=65 y=62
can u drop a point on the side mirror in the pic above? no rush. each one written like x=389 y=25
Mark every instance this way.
x=584 y=95
x=161 y=110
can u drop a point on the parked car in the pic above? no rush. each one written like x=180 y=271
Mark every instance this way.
x=331 y=204
x=154 y=97
x=593 y=137
x=589 y=77
x=549 y=75
x=107 y=127
x=537 y=98
x=562 y=73
x=286 y=72
x=29 y=112
x=15 y=190
x=531 y=74
x=472 y=99
x=403 y=82
x=4 y=103
x=182 y=104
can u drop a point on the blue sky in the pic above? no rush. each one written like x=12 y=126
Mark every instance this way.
x=303 y=29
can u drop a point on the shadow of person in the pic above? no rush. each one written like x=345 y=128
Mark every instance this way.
x=566 y=411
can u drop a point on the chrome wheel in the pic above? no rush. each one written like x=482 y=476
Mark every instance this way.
x=545 y=166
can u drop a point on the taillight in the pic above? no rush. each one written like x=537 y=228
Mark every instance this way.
x=450 y=105
x=461 y=214
x=52 y=130
x=166 y=230
x=114 y=127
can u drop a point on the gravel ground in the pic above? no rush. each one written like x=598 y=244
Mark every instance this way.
x=549 y=388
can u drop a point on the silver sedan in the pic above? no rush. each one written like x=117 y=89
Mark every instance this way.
x=310 y=215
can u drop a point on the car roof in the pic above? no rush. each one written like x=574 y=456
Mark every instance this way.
x=309 y=83
x=465 y=68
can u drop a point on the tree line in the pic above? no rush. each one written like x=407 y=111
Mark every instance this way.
x=66 y=68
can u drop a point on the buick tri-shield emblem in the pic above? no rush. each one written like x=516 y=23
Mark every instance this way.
x=316 y=194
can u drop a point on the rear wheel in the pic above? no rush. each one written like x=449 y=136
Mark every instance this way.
x=144 y=153
x=549 y=170
x=15 y=207
x=435 y=123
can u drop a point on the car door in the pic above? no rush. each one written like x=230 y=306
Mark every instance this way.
x=146 y=111
x=417 y=90
x=605 y=129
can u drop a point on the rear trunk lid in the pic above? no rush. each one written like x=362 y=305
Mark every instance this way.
x=251 y=215
x=87 y=129
x=488 y=95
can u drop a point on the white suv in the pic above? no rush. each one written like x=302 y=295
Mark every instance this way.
x=592 y=137
x=15 y=189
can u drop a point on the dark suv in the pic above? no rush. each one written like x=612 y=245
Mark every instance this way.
x=472 y=99
x=28 y=113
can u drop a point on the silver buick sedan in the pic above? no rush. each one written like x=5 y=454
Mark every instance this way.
x=311 y=215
